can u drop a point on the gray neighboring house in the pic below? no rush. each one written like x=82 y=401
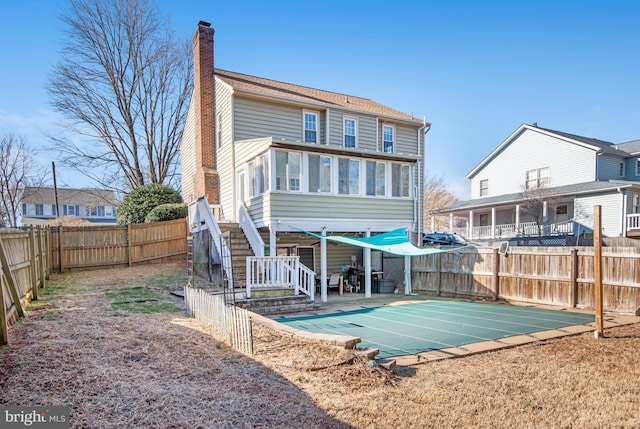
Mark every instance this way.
x=93 y=205
x=572 y=173
x=292 y=156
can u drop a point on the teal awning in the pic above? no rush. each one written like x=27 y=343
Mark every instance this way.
x=395 y=242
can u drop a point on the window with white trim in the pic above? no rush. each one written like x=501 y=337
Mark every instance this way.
x=288 y=171
x=621 y=169
x=375 y=174
x=258 y=174
x=388 y=138
x=538 y=178
x=638 y=167
x=349 y=132
x=348 y=176
x=400 y=180
x=39 y=210
x=319 y=173
x=484 y=187
x=310 y=127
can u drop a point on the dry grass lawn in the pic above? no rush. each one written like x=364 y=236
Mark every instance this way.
x=115 y=347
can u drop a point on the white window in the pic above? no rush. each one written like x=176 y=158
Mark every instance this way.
x=319 y=173
x=348 y=176
x=349 y=132
x=71 y=210
x=287 y=171
x=638 y=167
x=253 y=182
x=24 y=210
x=376 y=172
x=621 y=170
x=388 y=138
x=400 y=180
x=39 y=210
x=310 y=127
x=484 y=187
x=538 y=178
x=263 y=173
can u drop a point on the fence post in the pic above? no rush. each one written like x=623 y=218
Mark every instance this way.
x=573 y=291
x=41 y=258
x=49 y=252
x=129 y=244
x=11 y=281
x=438 y=274
x=60 y=251
x=4 y=331
x=32 y=264
x=496 y=274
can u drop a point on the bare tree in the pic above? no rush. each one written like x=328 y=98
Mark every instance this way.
x=18 y=169
x=123 y=85
x=436 y=196
x=533 y=203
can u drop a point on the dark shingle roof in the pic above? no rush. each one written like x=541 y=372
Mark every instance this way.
x=604 y=145
x=305 y=94
x=68 y=196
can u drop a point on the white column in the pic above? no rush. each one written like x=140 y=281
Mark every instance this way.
x=517 y=217
x=451 y=222
x=470 y=226
x=545 y=219
x=407 y=275
x=323 y=265
x=367 y=268
x=493 y=222
x=623 y=226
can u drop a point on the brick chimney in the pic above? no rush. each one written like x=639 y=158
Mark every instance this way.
x=206 y=181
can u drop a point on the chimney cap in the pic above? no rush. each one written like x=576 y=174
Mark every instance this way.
x=204 y=24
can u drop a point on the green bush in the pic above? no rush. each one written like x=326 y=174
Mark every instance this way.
x=166 y=212
x=138 y=203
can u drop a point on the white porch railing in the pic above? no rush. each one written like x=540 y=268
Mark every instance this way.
x=525 y=229
x=633 y=221
x=279 y=272
x=250 y=231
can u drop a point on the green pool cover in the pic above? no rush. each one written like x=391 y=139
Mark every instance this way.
x=431 y=325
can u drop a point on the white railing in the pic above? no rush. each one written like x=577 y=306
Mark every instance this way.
x=279 y=272
x=250 y=231
x=633 y=221
x=230 y=322
x=200 y=218
x=532 y=229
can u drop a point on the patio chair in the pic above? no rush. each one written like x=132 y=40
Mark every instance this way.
x=334 y=282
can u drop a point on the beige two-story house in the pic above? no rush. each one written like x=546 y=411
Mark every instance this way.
x=296 y=157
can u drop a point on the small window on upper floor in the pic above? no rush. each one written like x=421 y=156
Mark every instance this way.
x=538 y=178
x=638 y=167
x=24 y=210
x=621 y=169
x=349 y=132
x=484 y=187
x=310 y=127
x=388 y=138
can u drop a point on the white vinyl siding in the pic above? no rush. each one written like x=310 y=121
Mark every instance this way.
x=611 y=212
x=568 y=163
x=224 y=155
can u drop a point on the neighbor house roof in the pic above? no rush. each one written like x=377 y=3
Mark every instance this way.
x=557 y=192
x=594 y=144
x=303 y=94
x=69 y=196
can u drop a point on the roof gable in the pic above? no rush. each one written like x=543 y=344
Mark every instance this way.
x=587 y=142
x=302 y=94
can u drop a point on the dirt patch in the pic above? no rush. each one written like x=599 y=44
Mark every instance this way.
x=121 y=367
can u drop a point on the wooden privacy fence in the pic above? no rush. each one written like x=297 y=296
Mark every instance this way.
x=232 y=323
x=105 y=245
x=560 y=276
x=25 y=267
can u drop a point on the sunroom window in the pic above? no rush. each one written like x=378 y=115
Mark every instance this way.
x=319 y=173
x=348 y=176
x=400 y=180
x=376 y=172
x=287 y=171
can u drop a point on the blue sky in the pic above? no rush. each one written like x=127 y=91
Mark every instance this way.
x=475 y=69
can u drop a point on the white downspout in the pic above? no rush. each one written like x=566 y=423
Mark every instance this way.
x=367 y=268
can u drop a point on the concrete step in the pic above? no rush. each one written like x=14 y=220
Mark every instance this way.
x=277 y=305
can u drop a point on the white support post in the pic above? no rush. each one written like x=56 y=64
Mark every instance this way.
x=517 y=217
x=470 y=226
x=450 y=222
x=323 y=265
x=367 y=268
x=493 y=223
x=407 y=275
